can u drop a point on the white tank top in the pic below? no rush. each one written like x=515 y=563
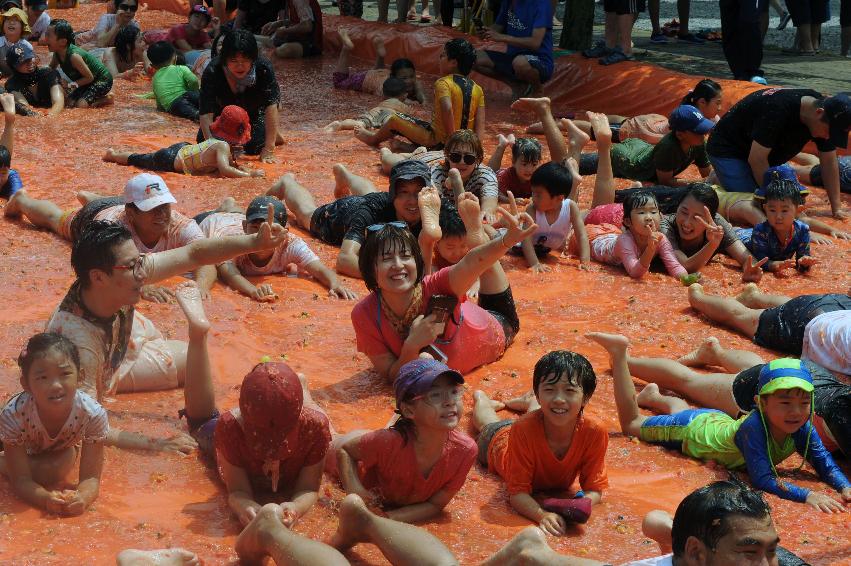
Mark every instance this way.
x=552 y=236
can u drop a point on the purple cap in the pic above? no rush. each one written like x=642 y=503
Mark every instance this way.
x=687 y=118
x=417 y=376
x=837 y=110
x=779 y=173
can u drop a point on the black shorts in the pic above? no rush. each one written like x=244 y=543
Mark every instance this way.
x=160 y=160
x=91 y=92
x=203 y=431
x=199 y=218
x=808 y=11
x=308 y=48
x=503 y=64
x=486 y=436
x=47 y=79
x=782 y=328
x=501 y=306
x=623 y=7
x=330 y=222
x=86 y=214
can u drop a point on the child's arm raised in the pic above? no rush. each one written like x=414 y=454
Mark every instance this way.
x=91 y=466
x=329 y=279
x=231 y=277
x=495 y=162
x=20 y=477
x=581 y=236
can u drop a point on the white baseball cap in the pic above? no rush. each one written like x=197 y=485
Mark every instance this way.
x=147 y=191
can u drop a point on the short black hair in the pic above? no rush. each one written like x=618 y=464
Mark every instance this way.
x=706 y=512
x=401 y=63
x=117 y=3
x=783 y=189
x=95 y=248
x=554 y=177
x=463 y=52
x=63 y=30
x=238 y=42
x=702 y=193
x=527 y=148
x=160 y=53
x=214 y=48
x=125 y=41
x=393 y=87
x=394 y=238
x=39 y=344
x=450 y=221
x=5 y=157
x=576 y=367
x=637 y=200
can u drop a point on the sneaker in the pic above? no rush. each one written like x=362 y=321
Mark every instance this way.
x=599 y=50
x=784 y=20
x=690 y=38
x=658 y=38
x=759 y=80
x=616 y=56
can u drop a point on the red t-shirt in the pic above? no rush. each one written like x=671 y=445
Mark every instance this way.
x=389 y=466
x=478 y=340
x=314 y=437
x=521 y=455
x=196 y=40
x=508 y=180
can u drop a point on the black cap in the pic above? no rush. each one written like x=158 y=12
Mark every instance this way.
x=837 y=111
x=4 y=4
x=258 y=209
x=40 y=5
x=408 y=170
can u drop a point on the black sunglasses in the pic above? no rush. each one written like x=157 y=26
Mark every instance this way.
x=128 y=7
x=380 y=227
x=468 y=158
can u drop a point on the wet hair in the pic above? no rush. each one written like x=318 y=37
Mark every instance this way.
x=125 y=41
x=706 y=512
x=375 y=243
x=464 y=137
x=400 y=64
x=783 y=189
x=393 y=87
x=554 y=177
x=450 y=221
x=463 y=52
x=238 y=42
x=160 y=53
x=214 y=47
x=707 y=89
x=40 y=344
x=526 y=148
x=95 y=248
x=5 y=157
x=637 y=200
x=704 y=194
x=553 y=365
x=63 y=30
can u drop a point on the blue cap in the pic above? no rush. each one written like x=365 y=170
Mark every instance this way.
x=779 y=173
x=417 y=376
x=785 y=373
x=18 y=54
x=687 y=118
x=837 y=110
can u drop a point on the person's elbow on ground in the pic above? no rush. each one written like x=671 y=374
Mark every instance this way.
x=347 y=259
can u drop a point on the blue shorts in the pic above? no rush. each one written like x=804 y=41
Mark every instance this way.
x=502 y=64
x=202 y=430
x=669 y=430
x=733 y=174
x=844 y=171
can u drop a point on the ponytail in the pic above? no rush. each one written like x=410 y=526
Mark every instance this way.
x=707 y=89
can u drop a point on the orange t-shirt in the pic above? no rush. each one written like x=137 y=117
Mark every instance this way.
x=520 y=454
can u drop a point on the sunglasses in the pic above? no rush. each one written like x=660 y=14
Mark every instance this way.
x=380 y=227
x=467 y=158
x=128 y=7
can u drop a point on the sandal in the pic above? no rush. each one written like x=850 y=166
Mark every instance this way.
x=616 y=56
x=599 y=50
x=425 y=19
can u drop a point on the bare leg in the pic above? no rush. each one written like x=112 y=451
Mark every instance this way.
x=604 y=185
x=228 y=204
x=402 y=544
x=347 y=183
x=297 y=198
x=493 y=280
x=753 y=298
x=658 y=525
x=576 y=135
x=629 y=415
x=651 y=398
x=625 y=23
x=161 y=557
x=41 y=213
x=389 y=159
x=710 y=353
x=375 y=137
x=555 y=138
x=483 y=410
x=198 y=395
x=337 y=125
x=529 y=547
x=266 y=536
x=85 y=197
x=113 y=156
x=729 y=312
x=345 y=51
x=380 y=52
x=526 y=403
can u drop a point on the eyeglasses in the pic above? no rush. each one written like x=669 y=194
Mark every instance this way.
x=136 y=267
x=468 y=158
x=380 y=227
x=128 y=7
x=437 y=397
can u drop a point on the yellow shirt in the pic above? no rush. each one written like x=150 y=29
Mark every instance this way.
x=192 y=157
x=466 y=97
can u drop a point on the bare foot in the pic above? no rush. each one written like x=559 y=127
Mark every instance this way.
x=419 y=150
x=471 y=215
x=505 y=141
x=252 y=540
x=354 y=517
x=649 y=396
x=345 y=39
x=705 y=355
x=189 y=298
x=279 y=187
x=109 y=156
x=455 y=182
x=162 y=557
x=364 y=135
x=105 y=101
x=531 y=541
x=13 y=207
x=341 y=181
x=380 y=50
x=537 y=105
x=7 y=101
x=480 y=397
x=601 y=127
x=575 y=136
x=85 y=197
x=748 y=294
x=613 y=343
x=695 y=291
x=429 y=202
x=228 y=204
x=521 y=404
x=332 y=127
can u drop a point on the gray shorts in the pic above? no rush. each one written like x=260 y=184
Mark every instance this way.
x=486 y=436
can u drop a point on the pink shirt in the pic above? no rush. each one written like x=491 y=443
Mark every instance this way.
x=623 y=250
x=182 y=231
x=479 y=339
x=389 y=465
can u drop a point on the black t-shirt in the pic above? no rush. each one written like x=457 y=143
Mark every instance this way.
x=349 y=217
x=216 y=92
x=772 y=118
x=44 y=78
x=258 y=14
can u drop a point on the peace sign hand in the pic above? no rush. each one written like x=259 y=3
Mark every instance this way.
x=752 y=272
x=714 y=233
